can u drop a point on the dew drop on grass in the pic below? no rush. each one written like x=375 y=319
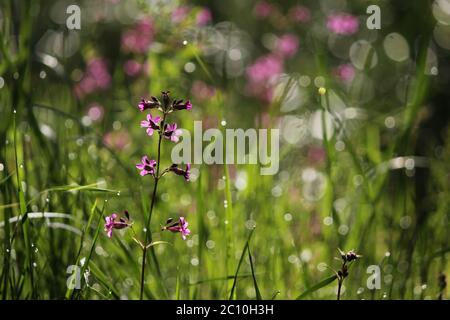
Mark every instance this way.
x=328 y=221
x=34 y=264
x=288 y=217
x=185 y=42
x=2 y=167
x=211 y=214
x=210 y=244
x=389 y=122
x=306 y=255
x=47 y=200
x=165 y=197
x=343 y=229
x=358 y=180
x=194 y=262
x=277 y=191
x=293 y=259
x=250 y=292
x=339 y=146
x=79 y=142
x=223 y=123
x=220 y=184
x=117 y=125
x=118 y=193
x=360 y=290
x=250 y=224
x=405 y=222
x=388 y=279
x=68 y=123
x=72 y=155
x=145 y=230
x=322 y=266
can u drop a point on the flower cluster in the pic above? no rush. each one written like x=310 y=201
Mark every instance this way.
x=349 y=256
x=347 y=259
x=96 y=77
x=114 y=222
x=343 y=24
x=167 y=131
x=157 y=124
x=180 y=225
x=139 y=38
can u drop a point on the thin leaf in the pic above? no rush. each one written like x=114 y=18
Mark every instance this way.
x=239 y=265
x=317 y=286
x=255 y=284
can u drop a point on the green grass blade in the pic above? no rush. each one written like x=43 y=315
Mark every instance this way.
x=317 y=286
x=229 y=222
x=255 y=284
x=232 y=293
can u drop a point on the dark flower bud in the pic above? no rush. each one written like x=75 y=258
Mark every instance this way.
x=351 y=255
x=186 y=173
x=442 y=281
x=148 y=104
x=180 y=105
x=344 y=271
x=165 y=99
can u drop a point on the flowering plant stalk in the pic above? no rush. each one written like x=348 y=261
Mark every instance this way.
x=347 y=259
x=152 y=167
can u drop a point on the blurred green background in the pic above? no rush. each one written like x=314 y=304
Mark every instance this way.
x=364 y=166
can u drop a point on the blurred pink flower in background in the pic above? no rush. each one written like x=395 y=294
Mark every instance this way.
x=345 y=72
x=139 y=38
x=316 y=154
x=179 y=14
x=262 y=9
x=95 y=112
x=343 y=23
x=265 y=68
x=117 y=139
x=300 y=14
x=204 y=17
x=96 y=77
x=132 y=68
x=287 y=45
x=202 y=91
x=260 y=74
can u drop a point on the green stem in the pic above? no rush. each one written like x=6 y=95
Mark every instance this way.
x=339 y=289
x=148 y=236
